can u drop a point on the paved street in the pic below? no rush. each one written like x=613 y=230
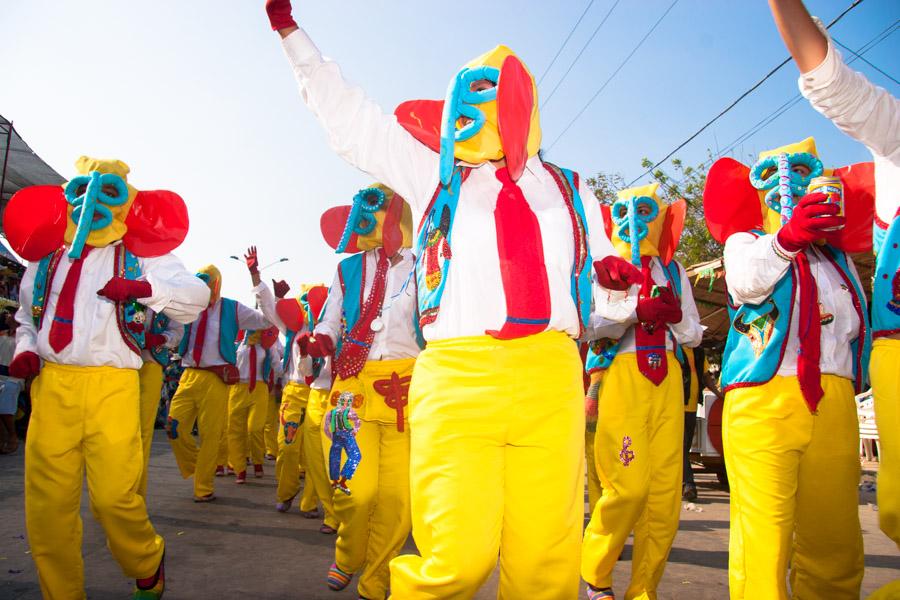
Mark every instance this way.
x=239 y=547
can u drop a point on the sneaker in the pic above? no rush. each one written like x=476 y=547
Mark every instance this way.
x=285 y=506
x=600 y=594
x=206 y=498
x=270 y=457
x=689 y=492
x=327 y=529
x=152 y=587
x=241 y=478
x=337 y=579
x=310 y=514
x=258 y=471
x=229 y=471
x=220 y=471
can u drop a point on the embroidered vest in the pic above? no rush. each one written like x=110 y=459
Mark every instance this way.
x=758 y=335
x=228 y=330
x=433 y=244
x=130 y=315
x=886 y=288
x=158 y=325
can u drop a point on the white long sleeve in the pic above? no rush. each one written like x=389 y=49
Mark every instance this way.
x=247 y=318
x=752 y=267
x=298 y=367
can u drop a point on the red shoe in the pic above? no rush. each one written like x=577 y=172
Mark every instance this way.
x=220 y=471
x=257 y=471
x=151 y=588
x=241 y=478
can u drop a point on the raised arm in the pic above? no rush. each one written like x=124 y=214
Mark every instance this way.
x=358 y=130
x=264 y=297
x=807 y=45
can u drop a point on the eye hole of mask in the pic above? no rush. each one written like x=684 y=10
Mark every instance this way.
x=481 y=85
x=81 y=189
x=110 y=190
x=204 y=277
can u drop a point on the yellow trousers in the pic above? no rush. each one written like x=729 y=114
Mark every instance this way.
x=314 y=455
x=151 y=380
x=496 y=469
x=270 y=432
x=374 y=521
x=202 y=398
x=290 y=445
x=794 y=479
x=638 y=452
x=595 y=488
x=884 y=370
x=246 y=418
x=85 y=420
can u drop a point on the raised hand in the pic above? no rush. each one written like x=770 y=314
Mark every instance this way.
x=811 y=219
x=281 y=288
x=279 y=12
x=252 y=260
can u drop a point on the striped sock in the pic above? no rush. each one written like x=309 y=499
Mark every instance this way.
x=600 y=594
x=337 y=579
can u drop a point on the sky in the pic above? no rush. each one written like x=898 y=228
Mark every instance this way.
x=197 y=96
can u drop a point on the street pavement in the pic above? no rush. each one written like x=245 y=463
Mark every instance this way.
x=240 y=547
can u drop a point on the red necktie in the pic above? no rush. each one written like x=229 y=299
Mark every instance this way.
x=809 y=333
x=252 y=367
x=200 y=337
x=61 y=330
x=650 y=339
x=358 y=342
x=522 y=270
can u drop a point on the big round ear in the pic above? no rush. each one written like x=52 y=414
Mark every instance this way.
x=606 y=211
x=515 y=103
x=730 y=203
x=859 y=208
x=672 y=228
x=332 y=225
x=290 y=312
x=157 y=223
x=35 y=221
x=316 y=298
x=422 y=118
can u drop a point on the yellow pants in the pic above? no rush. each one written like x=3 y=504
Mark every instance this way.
x=374 y=519
x=290 y=445
x=794 y=479
x=151 y=380
x=638 y=452
x=246 y=418
x=496 y=468
x=314 y=455
x=595 y=488
x=85 y=420
x=201 y=397
x=885 y=374
x=270 y=432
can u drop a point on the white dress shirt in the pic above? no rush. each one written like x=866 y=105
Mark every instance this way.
x=243 y=361
x=867 y=113
x=473 y=301
x=247 y=319
x=323 y=381
x=96 y=339
x=687 y=332
x=752 y=268
x=174 y=333
x=397 y=339
x=298 y=367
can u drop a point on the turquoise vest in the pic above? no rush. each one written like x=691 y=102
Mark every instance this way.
x=602 y=352
x=757 y=337
x=228 y=330
x=130 y=316
x=437 y=227
x=158 y=325
x=886 y=288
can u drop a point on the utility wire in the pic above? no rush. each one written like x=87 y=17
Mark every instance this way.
x=614 y=73
x=835 y=40
x=580 y=52
x=566 y=41
x=736 y=101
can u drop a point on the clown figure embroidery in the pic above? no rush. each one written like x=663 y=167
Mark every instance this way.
x=341 y=424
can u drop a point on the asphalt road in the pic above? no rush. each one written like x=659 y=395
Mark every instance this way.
x=239 y=547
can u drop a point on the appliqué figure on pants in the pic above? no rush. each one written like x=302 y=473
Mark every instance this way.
x=341 y=424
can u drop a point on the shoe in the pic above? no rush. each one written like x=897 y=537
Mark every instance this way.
x=337 y=579
x=241 y=478
x=229 y=471
x=270 y=457
x=206 y=498
x=257 y=471
x=600 y=594
x=220 y=471
x=327 y=529
x=310 y=514
x=689 y=492
x=152 y=587
x=285 y=506
x=302 y=474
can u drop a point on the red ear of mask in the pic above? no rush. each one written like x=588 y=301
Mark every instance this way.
x=859 y=208
x=607 y=219
x=422 y=118
x=391 y=233
x=291 y=313
x=332 y=225
x=240 y=335
x=672 y=228
x=515 y=101
x=157 y=223
x=35 y=221
x=316 y=298
x=730 y=203
x=267 y=337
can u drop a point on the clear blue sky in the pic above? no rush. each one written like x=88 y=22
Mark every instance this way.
x=198 y=98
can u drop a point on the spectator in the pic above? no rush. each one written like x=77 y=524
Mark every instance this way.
x=9 y=386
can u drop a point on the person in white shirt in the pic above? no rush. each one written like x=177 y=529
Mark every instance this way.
x=97 y=262
x=637 y=447
x=10 y=387
x=796 y=353
x=499 y=322
x=209 y=356
x=870 y=115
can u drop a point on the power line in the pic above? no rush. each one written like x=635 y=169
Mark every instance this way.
x=580 y=52
x=610 y=78
x=835 y=40
x=736 y=101
x=566 y=41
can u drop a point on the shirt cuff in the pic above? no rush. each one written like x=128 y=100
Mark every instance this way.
x=823 y=75
x=781 y=252
x=301 y=51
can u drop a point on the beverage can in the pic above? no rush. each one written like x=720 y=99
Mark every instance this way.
x=832 y=188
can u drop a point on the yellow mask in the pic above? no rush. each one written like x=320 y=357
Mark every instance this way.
x=99 y=199
x=649 y=216
x=377 y=218
x=213 y=278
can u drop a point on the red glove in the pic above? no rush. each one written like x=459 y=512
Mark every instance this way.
x=318 y=346
x=281 y=288
x=25 y=365
x=279 y=12
x=662 y=309
x=252 y=260
x=811 y=217
x=119 y=289
x=153 y=340
x=616 y=273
